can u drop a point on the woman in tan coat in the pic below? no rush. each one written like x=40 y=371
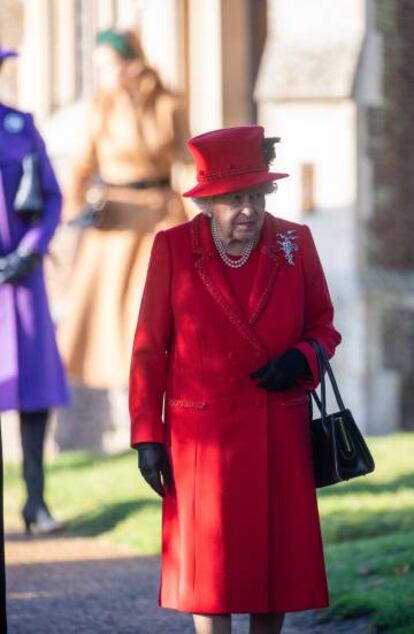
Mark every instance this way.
x=136 y=134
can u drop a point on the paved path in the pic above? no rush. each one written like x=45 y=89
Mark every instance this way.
x=77 y=585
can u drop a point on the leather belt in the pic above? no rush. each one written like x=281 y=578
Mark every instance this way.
x=144 y=184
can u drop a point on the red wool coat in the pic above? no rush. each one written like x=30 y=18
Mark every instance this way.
x=240 y=528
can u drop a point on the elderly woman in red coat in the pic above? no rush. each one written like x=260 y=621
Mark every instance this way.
x=220 y=371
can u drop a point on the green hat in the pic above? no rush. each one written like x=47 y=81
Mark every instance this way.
x=117 y=41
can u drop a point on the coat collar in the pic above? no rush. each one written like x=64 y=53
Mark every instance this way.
x=202 y=241
x=211 y=272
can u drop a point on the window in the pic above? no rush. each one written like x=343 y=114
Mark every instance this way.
x=308 y=188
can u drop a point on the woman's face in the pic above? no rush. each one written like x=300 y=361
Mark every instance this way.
x=109 y=67
x=112 y=70
x=239 y=215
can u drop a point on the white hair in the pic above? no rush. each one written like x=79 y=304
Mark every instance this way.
x=203 y=203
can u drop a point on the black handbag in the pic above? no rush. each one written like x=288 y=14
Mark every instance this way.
x=339 y=450
x=28 y=202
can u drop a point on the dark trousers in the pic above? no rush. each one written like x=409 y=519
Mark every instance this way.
x=33 y=431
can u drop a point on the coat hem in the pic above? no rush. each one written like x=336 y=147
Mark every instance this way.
x=253 y=610
x=36 y=407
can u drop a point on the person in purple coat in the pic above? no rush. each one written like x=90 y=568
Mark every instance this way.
x=32 y=378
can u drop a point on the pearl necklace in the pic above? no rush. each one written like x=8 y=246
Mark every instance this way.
x=234 y=264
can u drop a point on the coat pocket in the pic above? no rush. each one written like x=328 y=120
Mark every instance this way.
x=186 y=404
x=297 y=400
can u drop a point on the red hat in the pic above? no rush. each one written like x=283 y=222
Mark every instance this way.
x=228 y=160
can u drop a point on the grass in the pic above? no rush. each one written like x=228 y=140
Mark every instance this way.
x=375 y=577
x=98 y=496
x=368 y=529
x=367 y=524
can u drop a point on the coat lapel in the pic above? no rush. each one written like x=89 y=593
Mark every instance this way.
x=212 y=275
x=270 y=261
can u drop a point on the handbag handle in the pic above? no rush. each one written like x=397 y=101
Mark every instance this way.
x=320 y=402
x=323 y=363
x=28 y=200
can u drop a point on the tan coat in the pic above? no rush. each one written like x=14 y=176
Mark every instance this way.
x=131 y=137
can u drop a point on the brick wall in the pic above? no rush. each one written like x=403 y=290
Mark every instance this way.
x=391 y=131
x=390 y=231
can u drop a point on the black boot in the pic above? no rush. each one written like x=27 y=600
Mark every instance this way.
x=36 y=515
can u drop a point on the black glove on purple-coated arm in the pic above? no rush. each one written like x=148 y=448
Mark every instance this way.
x=283 y=372
x=16 y=266
x=153 y=462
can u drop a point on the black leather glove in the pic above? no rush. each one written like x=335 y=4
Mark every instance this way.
x=16 y=266
x=283 y=372
x=153 y=462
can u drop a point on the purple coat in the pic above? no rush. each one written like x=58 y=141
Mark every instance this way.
x=31 y=371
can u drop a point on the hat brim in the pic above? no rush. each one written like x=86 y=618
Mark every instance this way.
x=233 y=183
x=6 y=53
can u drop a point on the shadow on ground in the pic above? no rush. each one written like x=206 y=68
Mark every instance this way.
x=365 y=485
x=115 y=595
x=105 y=518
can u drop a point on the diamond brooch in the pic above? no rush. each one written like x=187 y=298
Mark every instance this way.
x=286 y=240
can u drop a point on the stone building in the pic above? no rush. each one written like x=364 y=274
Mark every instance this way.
x=305 y=94
x=334 y=81
x=386 y=253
